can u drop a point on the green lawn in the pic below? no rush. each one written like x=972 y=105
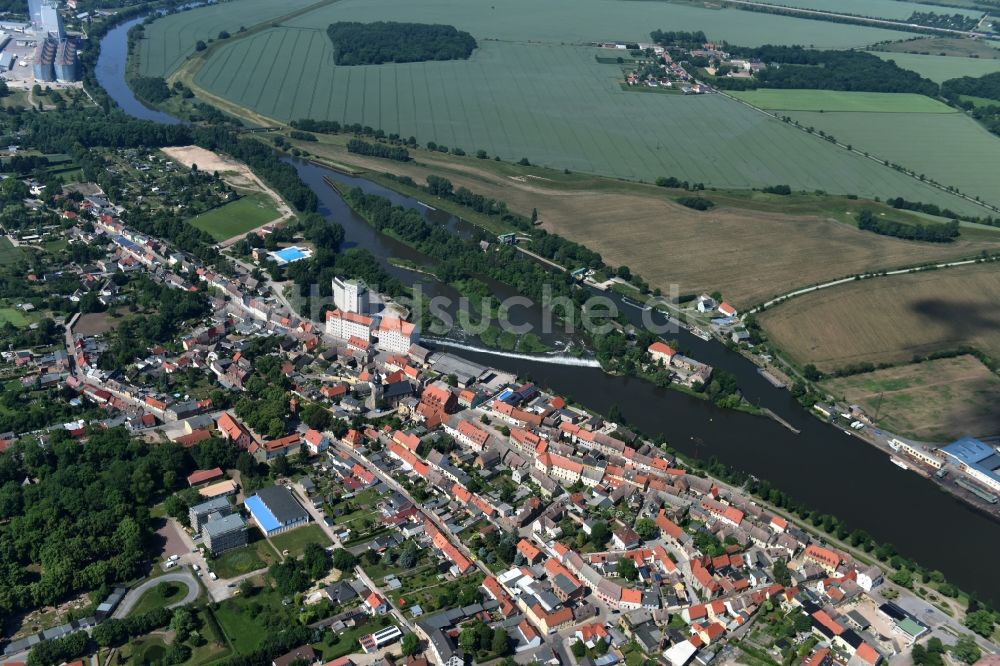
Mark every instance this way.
x=13 y=316
x=245 y=619
x=8 y=253
x=254 y=556
x=437 y=595
x=236 y=218
x=835 y=100
x=295 y=541
x=334 y=645
x=158 y=598
x=144 y=650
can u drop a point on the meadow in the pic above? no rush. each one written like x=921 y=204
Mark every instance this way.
x=936 y=401
x=553 y=104
x=843 y=101
x=8 y=253
x=939 y=68
x=951 y=148
x=891 y=319
x=237 y=217
x=13 y=316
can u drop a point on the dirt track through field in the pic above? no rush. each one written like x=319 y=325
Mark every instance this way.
x=891 y=319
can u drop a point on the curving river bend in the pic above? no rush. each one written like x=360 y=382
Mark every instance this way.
x=826 y=469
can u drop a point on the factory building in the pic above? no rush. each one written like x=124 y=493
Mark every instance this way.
x=56 y=60
x=67 y=65
x=45 y=60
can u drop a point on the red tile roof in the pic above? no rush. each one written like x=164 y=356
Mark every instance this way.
x=203 y=475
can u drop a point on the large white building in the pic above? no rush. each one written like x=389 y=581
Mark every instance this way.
x=350 y=295
x=396 y=335
x=346 y=325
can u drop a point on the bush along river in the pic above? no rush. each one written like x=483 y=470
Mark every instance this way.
x=821 y=467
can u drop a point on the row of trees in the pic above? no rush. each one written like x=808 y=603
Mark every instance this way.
x=382 y=150
x=945 y=232
x=679 y=38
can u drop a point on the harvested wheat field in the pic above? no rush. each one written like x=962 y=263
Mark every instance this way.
x=935 y=401
x=891 y=319
x=748 y=255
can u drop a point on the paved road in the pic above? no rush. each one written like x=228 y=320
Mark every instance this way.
x=184 y=577
x=548 y=642
x=366 y=579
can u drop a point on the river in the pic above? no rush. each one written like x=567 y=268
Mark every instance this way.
x=828 y=470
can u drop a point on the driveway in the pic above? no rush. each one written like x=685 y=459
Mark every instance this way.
x=183 y=577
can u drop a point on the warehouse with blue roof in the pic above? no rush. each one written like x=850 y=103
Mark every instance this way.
x=977 y=459
x=275 y=510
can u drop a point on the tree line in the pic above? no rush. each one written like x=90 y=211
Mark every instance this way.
x=679 y=38
x=944 y=232
x=826 y=70
x=551 y=246
x=382 y=150
x=388 y=41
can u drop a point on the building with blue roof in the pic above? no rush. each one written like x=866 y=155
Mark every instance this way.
x=274 y=510
x=977 y=459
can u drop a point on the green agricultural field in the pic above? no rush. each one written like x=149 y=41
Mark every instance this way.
x=172 y=38
x=940 y=68
x=236 y=218
x=8 y=253
x=586 y=21
x=887 y=9
x=950 y=148
x=553 y=104
x=833 y=100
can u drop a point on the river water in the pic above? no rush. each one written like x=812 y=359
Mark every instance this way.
x=823 y=467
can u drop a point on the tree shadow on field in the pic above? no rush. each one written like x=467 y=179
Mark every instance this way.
x=965 y=320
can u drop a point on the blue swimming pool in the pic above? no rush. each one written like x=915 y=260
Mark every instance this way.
x=290 y=254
